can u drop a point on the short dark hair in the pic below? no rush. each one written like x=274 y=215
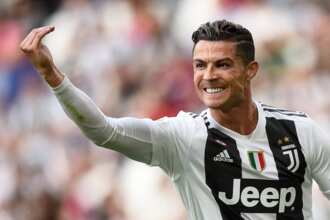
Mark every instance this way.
x=223 y=30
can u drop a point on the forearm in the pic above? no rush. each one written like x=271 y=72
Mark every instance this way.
x=83 y=111
x=52 y=76
x=129 y=136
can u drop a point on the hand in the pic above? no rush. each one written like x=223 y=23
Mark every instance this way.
x=37 y=52
x=40 y=56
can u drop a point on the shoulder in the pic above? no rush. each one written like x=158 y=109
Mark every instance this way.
x=175 y=135
x=284 y=114
x=199 y=119
x=299 y=121
x=183 y=116
x=311 y=137
x=307 y=129
x=183 y=122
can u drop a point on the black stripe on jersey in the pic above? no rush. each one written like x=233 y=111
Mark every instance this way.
x=206 y=120
x=194 y=115
x=273 y=107
x=285 y=112
x=290 y=161
x=220 y=175
x=270 y=108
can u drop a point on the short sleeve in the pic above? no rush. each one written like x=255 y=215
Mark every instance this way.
x=320 y=159
x=171 y=139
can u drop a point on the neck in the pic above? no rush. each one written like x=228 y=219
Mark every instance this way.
x=242 y=118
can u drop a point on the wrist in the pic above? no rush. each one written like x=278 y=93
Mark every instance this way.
x=52 y=76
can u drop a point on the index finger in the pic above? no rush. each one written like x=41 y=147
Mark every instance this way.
x=40 y=34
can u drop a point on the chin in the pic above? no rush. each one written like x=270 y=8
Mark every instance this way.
x=213 y=105
x=224 y=105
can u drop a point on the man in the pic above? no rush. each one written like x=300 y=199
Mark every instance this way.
x=238 y=159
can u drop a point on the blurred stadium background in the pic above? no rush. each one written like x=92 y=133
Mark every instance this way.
x=133 y=57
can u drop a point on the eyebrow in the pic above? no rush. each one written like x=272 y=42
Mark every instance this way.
x=219 y=60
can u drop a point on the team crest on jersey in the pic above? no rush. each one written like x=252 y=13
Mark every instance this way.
x=291 y=151
x=257 y=160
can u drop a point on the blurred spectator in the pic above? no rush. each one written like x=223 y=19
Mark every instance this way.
x=133 y=57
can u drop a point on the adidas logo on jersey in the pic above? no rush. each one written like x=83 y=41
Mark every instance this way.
x=224 y=157
x=269 y=197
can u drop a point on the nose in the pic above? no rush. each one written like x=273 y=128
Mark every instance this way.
x=209 y=74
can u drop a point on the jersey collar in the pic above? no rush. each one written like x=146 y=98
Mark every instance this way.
x=257 y=133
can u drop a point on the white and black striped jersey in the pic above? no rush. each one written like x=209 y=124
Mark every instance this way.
x=220 y=174
x=267 y=175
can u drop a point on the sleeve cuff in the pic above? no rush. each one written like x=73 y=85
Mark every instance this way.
x=61 y=87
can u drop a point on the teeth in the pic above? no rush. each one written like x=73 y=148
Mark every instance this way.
x=213 y=90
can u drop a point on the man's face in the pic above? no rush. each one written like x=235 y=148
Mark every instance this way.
x=220 y=77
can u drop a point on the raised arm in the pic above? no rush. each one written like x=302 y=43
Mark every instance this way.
x=40 y=56
x=131 y=137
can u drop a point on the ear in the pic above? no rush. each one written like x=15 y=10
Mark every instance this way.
x=251 y=70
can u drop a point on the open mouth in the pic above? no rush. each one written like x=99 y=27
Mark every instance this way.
x=213 y=90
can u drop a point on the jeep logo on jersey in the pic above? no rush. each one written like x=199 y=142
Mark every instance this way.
x=268 y=197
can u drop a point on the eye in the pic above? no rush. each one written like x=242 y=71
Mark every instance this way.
x=222 y=65
x=199 y=65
